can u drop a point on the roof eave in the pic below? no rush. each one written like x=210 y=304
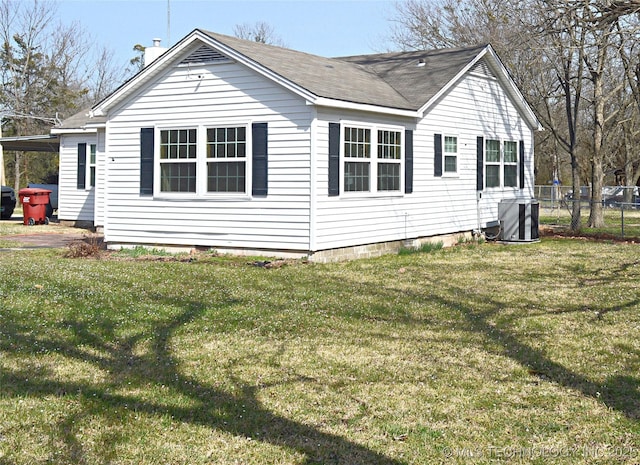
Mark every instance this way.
x=520 y=101
x=165 y=60
x=83 y=130
x=342 y=104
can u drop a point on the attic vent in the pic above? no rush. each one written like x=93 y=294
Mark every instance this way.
x=482 y=68
x=204 y=55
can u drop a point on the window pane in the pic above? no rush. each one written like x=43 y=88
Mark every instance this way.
x=178 y=177
x=511 y=176
x=92 y=176
x=388 y=176
x=510 y=152
x=451 y=144
x=493 y=151
x=356 y=177
x=450 y=164
x=226 y=177
x=357 y=143
x=226 y=142
x=178 y=143
x=493 y=176
x=389 y=145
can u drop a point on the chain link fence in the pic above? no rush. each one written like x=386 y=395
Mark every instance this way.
x=620 y=205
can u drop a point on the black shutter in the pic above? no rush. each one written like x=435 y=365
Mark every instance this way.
x=437 y=160
x=480 y=164
x=334 y=159
x=82 y=166
x=408 y=161
x=259 y=165
x=521 y=163
x=146 y=161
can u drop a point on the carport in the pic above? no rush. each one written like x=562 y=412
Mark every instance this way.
x=42 y=143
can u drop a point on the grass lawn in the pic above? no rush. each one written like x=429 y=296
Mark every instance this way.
x=474 y=354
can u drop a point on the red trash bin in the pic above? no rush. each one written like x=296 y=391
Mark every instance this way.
x=34 y=205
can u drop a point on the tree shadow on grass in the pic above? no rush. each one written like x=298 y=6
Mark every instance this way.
x=239 y=413
x=621 y=393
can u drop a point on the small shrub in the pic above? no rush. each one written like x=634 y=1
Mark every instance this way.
x=89 y=247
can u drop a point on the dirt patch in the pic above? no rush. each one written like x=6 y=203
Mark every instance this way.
x=563 y=231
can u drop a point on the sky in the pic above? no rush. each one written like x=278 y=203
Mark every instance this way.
x=321 y=27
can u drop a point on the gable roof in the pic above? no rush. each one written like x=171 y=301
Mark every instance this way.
x=324 y=77
x=418 y=75
x=403 y=83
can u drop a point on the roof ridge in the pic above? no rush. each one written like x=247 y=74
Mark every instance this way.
x=329 y=62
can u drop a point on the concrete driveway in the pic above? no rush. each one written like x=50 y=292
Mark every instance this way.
x=38 y=237
x=46 y=240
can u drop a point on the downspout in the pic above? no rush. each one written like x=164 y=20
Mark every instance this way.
x=313 y=151
x=478 y=231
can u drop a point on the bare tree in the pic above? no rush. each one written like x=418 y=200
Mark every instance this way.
x=46 y=71
x=562 y=55
x=259 y=32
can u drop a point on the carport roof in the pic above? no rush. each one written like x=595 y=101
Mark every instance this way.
x=42 y=143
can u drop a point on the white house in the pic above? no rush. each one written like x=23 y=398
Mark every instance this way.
x=251 y=148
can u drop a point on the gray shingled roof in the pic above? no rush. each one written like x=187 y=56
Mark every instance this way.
x=324 y=77
x=80 y=119
x=391 y=80
x=418 y=84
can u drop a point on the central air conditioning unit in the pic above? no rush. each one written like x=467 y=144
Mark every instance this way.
x=518 y=220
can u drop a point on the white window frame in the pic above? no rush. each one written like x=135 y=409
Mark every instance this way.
x=446 y=154
x=512 y=164
x=501 y=163
x=201 y=161
x=91 y=165
x=373 y=161
x=247 y=160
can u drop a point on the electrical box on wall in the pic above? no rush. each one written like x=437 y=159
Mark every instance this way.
x=519 y=220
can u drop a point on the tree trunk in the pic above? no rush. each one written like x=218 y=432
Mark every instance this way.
x=16 y=172
x=596 y=217
x=575 y=207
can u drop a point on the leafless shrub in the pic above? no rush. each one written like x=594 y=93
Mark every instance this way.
x=88 y=247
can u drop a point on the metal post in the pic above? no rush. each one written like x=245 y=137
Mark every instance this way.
x=622 y=219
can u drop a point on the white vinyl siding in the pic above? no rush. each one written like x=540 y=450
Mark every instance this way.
x=223 y=95
x=476 y=106
x=75 y=204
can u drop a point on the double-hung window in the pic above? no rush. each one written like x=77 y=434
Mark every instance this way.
x=501 y=163
x=450 y=154
x=510 y=159
x=389 y=160
x=204 y=160
x=178 y=160
x=357 y=156
x=369 y=152
x=91 y=166
x=226 y=159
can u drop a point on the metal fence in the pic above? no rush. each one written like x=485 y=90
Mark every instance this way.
x=621 y=207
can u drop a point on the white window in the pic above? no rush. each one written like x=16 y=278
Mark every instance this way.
x=510 y=159
x=204 y=160
x=368 y=152
x=450 y=154
x=226 y=159
x=501 y=163
x=178 y=160
x=91 y=167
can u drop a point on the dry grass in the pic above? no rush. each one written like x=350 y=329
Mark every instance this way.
x=504 y=352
